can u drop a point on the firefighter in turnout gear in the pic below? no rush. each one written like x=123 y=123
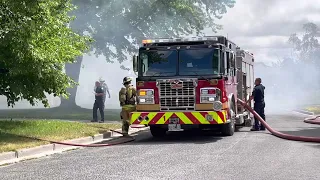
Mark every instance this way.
x=127 y=98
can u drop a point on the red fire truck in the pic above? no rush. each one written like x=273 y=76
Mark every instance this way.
x=192 y=83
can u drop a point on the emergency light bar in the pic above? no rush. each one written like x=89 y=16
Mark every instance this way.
x=148 y=41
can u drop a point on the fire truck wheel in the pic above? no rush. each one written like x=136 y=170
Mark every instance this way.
x=157 y=131
x=228 y=129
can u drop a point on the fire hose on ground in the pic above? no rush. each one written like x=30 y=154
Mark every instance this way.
x=277 y=133
x=313 y=120
x=126 y=140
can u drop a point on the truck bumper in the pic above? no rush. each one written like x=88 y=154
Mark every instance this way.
x=193 y=117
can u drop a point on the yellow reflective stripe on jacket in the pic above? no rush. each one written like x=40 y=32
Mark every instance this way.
x=129 y=107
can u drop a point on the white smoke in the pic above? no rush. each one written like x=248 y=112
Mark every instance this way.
x=92 y=69
x=289 y=87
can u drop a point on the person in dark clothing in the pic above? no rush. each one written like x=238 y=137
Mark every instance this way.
x=259 y=104
x=98 y=103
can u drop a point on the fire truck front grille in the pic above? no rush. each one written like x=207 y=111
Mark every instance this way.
x=177 y=95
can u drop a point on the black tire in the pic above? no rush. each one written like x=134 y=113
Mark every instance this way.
x=229 y=129
x=237 y=129
x=157 y=131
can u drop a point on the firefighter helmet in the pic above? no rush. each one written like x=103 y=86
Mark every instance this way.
x=127 y=80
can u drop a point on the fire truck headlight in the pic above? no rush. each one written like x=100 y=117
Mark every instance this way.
x=206 y=99
x=204 y=91
x=208 y=95
x=146 y=100
x=142 y=93
x=145 y=92
x=146 y=96
x=150 y=92
x=211 y=99
x=217 y=106
x=208 y=91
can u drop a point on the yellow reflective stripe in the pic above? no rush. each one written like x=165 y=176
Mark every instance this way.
x=151 y=115
x=224 y=115
x=216 y=117
x=183 y=118
x=129 y=105
x=219 y=120
x=200 y=118
x=164 y=118
x=134 y=116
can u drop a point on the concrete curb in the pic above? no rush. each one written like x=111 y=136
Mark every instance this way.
x=304 y=112
x=7 y=156
x=49 y=149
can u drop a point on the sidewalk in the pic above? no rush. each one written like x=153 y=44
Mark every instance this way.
x=49 y=149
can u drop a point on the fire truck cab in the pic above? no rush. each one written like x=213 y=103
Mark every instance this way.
x=192 y=83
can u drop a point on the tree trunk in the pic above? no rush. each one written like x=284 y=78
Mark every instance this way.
x=72 y=70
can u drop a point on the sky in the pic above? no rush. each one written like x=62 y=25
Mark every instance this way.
x=260 y=26
x=264 y=26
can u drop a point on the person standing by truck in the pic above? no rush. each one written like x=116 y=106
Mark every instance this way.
x=98 y=103
x=127 y=98
x=105 y=88
x=259 y=104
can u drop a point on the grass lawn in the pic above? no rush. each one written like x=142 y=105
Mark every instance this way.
x=74 y=113
x=315 y=109
x=45 y=129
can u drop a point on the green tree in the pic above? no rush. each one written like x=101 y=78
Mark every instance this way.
x=122 y=24
x=35 y=44
x=307 y=47
x=307 y=51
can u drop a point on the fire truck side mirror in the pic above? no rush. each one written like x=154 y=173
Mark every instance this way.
x=135 y=63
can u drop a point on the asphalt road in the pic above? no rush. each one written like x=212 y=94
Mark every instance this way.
x=187 y=156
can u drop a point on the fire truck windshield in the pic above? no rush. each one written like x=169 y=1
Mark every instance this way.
x=198 y=61
x=159 y=63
